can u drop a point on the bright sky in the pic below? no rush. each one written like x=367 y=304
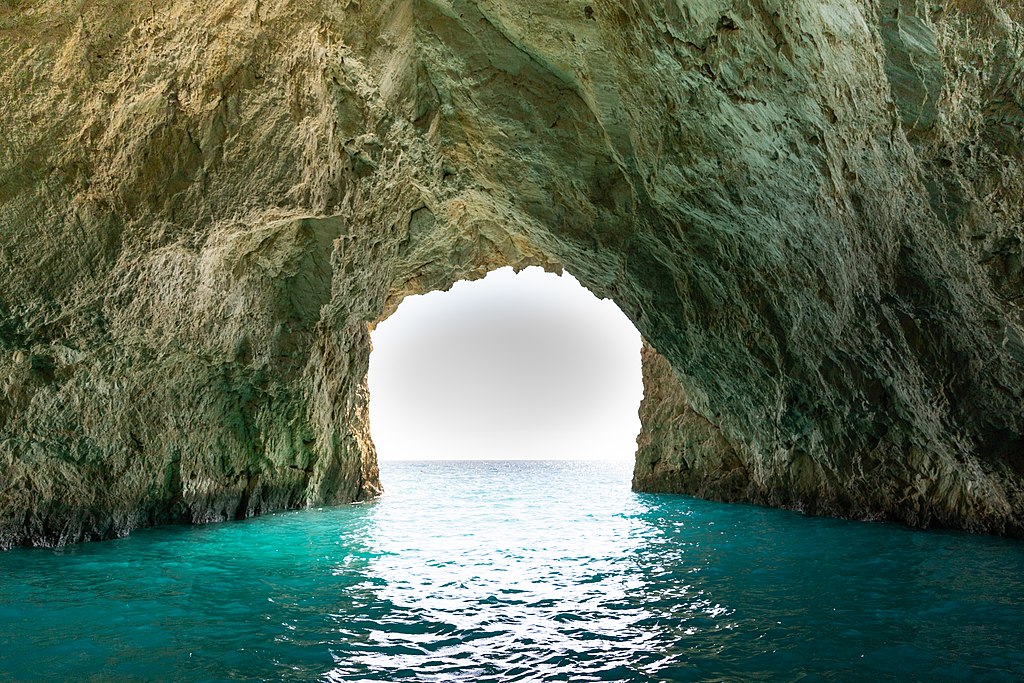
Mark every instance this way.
x=529 y=366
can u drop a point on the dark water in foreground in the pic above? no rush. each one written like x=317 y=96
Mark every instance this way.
x=505 y=571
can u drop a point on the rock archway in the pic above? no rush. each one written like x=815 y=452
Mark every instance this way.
x=811 y=210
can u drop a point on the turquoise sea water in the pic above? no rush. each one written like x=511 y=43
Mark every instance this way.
x=512 y=571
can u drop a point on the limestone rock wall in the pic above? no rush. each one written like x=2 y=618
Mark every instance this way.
x=810 y=208
x=926 y=446
x=681 y=451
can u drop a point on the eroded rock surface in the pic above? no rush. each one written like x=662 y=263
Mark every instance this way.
x=812 y=209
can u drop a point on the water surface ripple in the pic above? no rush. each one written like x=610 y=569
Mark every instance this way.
x=513 y=571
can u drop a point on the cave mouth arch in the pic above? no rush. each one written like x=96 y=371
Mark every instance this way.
x=526 y=365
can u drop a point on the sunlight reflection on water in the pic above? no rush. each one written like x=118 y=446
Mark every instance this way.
x=504 y=571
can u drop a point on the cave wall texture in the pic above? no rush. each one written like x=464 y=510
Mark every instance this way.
x=812 y=209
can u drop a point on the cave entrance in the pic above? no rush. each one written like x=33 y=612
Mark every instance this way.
x=515 y=366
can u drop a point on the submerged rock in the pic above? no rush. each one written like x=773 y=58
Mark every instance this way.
x=812 y=209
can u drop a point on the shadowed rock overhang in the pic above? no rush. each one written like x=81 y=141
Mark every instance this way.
x=811 y=209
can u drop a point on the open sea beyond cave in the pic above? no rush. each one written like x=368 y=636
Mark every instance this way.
x=518 y=571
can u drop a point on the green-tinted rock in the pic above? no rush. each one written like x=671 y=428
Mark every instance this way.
x=206 y=206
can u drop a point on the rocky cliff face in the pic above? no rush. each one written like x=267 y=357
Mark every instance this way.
x=812 y=209
x=922 y=441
